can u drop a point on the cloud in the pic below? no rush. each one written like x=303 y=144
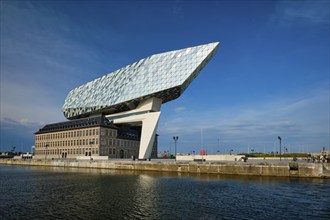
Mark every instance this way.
x=45 y=53
x=179 y=109
x=304 y=12
x=177 y=8
x=41 y=60
x=299 y=118
x=28 y=104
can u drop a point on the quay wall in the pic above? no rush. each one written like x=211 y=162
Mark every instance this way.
x=288 y=169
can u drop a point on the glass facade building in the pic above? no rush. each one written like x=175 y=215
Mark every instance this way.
x=164 y=76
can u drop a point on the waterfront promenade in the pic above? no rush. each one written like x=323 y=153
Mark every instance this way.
x=284 y=168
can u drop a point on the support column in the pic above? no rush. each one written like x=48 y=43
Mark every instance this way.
x=149 y=126
x=147 y=113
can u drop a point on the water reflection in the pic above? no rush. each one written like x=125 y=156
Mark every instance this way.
x=77 y=193
x=199 y=177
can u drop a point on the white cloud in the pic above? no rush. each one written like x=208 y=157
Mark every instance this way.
x=28 y=104
x=179 y=109
x=299 y=118
x=177 y=7
x=308 y=11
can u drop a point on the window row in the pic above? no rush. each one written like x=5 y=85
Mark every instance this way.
x=118 y=142
x=80 y=142
x=108 y=132
x=76 y=151
x=117 y=152
x=68 y=134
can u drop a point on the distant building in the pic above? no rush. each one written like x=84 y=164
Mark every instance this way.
x=95 y=136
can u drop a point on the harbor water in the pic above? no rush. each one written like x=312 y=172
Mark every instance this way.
x=28 y=192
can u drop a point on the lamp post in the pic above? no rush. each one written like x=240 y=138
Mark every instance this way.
x=170 y=148
x=46 y=151
x=231 y=151
x=280 y=139
x=175 y=138
x=90 y=153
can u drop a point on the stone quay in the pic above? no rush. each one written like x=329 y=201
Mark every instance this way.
x=252 y=168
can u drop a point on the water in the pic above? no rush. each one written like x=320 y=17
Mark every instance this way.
x=64 y=193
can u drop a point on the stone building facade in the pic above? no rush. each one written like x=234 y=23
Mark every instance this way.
x=93 y=136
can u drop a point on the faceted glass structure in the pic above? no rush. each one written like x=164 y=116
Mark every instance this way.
x=164 y=76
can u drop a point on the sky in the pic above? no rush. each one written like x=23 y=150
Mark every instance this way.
x=269 y=77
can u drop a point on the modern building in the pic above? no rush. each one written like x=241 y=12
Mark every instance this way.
x=130 y=96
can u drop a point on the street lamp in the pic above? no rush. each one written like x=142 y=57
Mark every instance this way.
x=175 y=138
x=170 y=148
x=46 y=151
x=90 y=153
x=280 y=139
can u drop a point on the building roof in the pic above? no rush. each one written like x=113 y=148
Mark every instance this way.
x=165 y=76
x=77 y=124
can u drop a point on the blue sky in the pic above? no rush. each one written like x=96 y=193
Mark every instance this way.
x=269 y=78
